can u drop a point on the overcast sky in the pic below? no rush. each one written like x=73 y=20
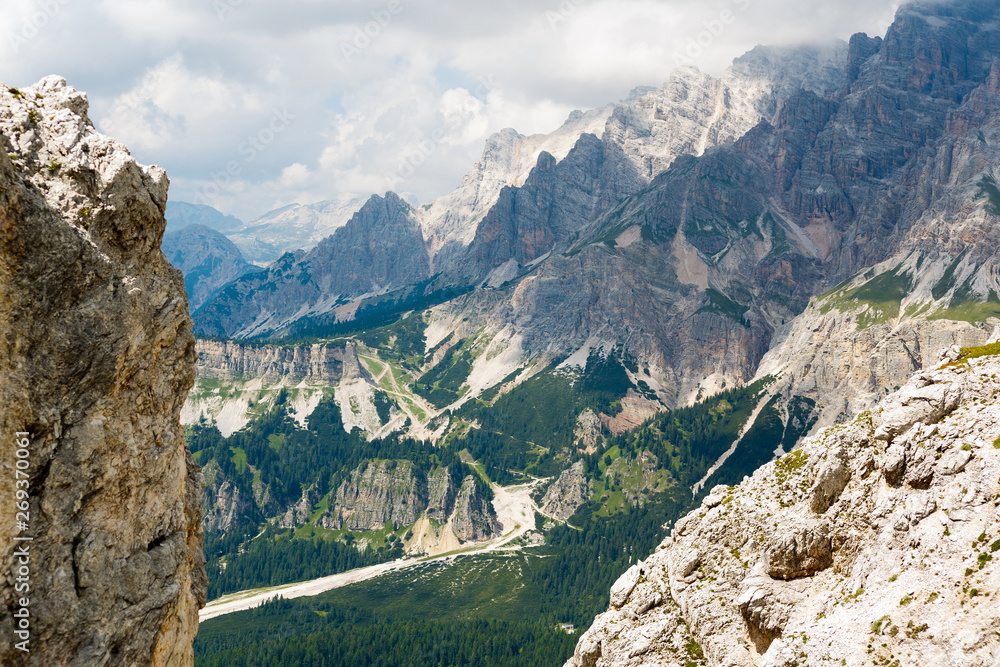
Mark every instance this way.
x=254 y=104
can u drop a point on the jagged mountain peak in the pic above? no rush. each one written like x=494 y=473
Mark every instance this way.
x=293 y=227
x=378 y=250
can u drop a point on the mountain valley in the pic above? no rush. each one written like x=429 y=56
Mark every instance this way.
x=702 y=377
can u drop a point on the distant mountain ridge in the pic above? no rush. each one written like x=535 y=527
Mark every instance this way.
x=637 y=139
x=702 y=226
x=207 y=258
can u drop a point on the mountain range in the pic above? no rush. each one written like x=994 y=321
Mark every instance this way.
x=647 y=304
x=708 y=226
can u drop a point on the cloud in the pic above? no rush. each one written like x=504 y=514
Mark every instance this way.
x=372 y=92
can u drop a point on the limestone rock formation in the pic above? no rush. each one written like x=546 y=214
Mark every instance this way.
x=380 y=493
x=223 y=503
x=320 y=364
x=474 y=517
x=877 y=540
x=96 y=357
x=565 y=495
x=377 y=494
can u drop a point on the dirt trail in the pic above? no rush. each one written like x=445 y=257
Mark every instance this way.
x=514 y=508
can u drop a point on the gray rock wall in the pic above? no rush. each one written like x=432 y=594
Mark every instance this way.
x=96 y=358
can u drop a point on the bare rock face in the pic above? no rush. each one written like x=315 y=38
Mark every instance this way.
x=474 y=517
x=440 y=494
x=875 y=542
x=378 y=494
x=320 y=364
x=567 y=493
x=96 y=358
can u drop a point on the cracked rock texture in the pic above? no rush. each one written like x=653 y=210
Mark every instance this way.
x=381 y=493
x=876 y=542
x=96 y=358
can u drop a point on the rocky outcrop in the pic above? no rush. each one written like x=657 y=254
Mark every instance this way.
x=588 y=431
x=223 y=503
x=208 y=260
x=96 y=357
x=846 y=369
x=377 y=494
x=474 y=517
x=876 y=540
x=319 y=364
x=565 y=495
x=441 y=494
x=300 y=512
x=380 y=493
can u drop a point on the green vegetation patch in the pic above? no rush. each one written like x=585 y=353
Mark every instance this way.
x=970 y=310
x=988 y=190
x=720 y=304
x=990 y=350
x=332 y=630
x=403 y=340
x=442 y=384
x=883 y=295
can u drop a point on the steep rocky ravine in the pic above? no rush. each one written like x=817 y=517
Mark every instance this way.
x=96 y=358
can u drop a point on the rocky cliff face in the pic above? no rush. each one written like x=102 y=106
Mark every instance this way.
x=474 y=517
x=381 y=493
x=96 y=357
x=875 y=541
x=378 y=494
x=565 y=495
x=223 y=503
x=312 y=363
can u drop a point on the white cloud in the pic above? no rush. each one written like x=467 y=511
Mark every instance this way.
x=187 y=88
x=172 y=108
